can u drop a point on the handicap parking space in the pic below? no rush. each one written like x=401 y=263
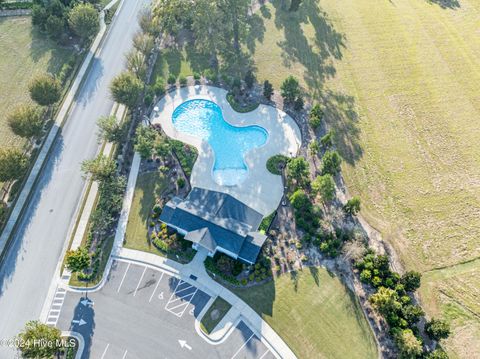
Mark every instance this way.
x=143 y=312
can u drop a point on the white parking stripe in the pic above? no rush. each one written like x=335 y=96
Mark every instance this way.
x=139 y=281
x=238 y=351
x=125 y=355
x=268 y=351
x=158 y=282
x=124 y=275
x=105 y=351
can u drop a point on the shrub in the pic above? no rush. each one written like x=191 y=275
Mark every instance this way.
x=183 y=80
x=157 y=242
x=159 y=86
x=352 y=206
x=172 y=79
x=181 y=182
x=244 y=281
x=299 y=103
x=275 y=162
x=211 y=75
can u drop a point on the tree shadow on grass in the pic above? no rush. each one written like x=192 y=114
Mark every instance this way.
x=446 y=4
x=41 y=46
x=316 y=57
x=314 y=274
x=341 y=116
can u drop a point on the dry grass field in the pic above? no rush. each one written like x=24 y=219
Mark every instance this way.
x=401 y=83
x=23 y=54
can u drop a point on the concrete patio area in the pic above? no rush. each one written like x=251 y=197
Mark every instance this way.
x=261 y=190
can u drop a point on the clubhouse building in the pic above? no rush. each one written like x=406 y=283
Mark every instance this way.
x=216 y=221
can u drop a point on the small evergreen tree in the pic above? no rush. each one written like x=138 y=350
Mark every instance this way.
x=267 y=90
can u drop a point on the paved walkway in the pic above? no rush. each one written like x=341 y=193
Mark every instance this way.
x=261 y=190
x=239 y=311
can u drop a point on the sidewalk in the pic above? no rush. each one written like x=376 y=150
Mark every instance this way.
x=239 y=310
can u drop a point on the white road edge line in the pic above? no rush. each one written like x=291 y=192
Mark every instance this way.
x=238 y=351
x=268 y=351
x=124 y=275
x=139 y=281
x=158 y=282
x=105 y=351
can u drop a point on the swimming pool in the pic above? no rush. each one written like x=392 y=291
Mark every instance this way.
x=204 y=119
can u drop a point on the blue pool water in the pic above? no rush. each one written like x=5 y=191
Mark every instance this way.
x=204 y=119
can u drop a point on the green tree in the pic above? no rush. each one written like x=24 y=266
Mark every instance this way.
x=315 y=117
x=385 y=300
x=290 y=89
x=45 y=90
x=126 y=89
x=267 y=90
x=324 y=186
x=300 y=200
x=144 y=43
x=55 y=27
x=39 y=16
x=327 y=140
x=409 y=345
x=83 y=20
x=352 y=206
x=331 y=162
x=110 y=129
x=36 y=332
x=145 y=141
x=294 y=5
x=437 y=354
x=101 y=169
x=26 y=121
x=249 y=79
x=13 y=164
x=299 y=103
x=297 y=168
x=437 y=329
x=77 y=260
x=411 y=281
x=412 y=313
x=136 y=63
x=314 y=148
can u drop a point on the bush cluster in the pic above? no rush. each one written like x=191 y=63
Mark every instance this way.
x=393 y=300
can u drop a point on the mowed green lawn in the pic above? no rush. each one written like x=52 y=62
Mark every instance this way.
x=149 y=186
x=24 y=53
x=401 y=82
x=316 y=315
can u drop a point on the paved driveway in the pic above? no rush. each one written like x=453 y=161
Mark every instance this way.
x=146 y=313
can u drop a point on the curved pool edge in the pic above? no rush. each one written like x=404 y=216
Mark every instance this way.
x=262 y=190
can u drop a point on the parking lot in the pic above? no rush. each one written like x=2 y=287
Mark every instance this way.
x=142 y=312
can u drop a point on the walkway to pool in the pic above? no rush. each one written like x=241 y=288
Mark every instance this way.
x=261 y=190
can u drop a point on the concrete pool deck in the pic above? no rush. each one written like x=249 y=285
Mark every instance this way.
x=261 y=190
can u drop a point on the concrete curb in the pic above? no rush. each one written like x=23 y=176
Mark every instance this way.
x=80 y=340
x=26 y=192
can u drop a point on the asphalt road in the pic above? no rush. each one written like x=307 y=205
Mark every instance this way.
x=30 y=264
x=146 y=313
